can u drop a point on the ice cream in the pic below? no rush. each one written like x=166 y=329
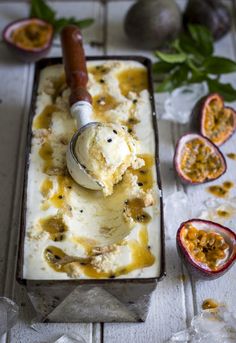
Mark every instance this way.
x=106 y=151
x=74 y=232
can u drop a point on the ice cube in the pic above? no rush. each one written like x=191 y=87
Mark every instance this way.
x=182 y=336
x=8 y=314
x=71 y=338
x=222 y=211
x=177 y=210
x=178 y=105
x=215 y=326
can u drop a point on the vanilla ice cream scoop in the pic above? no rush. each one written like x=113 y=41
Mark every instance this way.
x=106 y=151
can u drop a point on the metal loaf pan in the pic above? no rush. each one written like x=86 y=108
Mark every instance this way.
x=90 y=300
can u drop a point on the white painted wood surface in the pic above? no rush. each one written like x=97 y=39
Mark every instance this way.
x=176 y=298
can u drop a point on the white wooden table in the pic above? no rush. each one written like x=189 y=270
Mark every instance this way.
x=178 y=297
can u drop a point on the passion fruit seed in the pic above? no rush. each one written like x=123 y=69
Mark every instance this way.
x=213 y=120
x=31 y=35
x=219 y=121
x=207 y=247
x=199 y=163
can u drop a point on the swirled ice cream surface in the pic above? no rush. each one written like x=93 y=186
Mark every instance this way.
x=73 y=232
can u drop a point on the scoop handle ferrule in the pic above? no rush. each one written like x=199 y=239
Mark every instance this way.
x=81 y=111
x=75 y=64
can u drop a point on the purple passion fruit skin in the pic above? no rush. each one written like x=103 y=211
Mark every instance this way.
x=197 y=160
x=208 y=249
x=211 y=13
x=214 y=120
x=30 y=39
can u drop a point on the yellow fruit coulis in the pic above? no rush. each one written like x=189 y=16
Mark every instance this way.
x=221 y=191
x=141 y=257
x=132 y=80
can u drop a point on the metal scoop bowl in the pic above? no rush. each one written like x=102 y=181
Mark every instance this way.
x=76 y=169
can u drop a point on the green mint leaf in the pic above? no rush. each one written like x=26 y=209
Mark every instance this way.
x=226 y=90
x=171 y=58
x=59 y=24
x=62 y=22
x=162 y=67
x=188 y=45
x=197 y=77
x=178 y=77
x=219 y=65
x=203 y=39
x=41 y=10
x=84 y=22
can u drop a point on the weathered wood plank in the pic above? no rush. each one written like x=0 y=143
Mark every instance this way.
x=222 y=289
x=14 y=77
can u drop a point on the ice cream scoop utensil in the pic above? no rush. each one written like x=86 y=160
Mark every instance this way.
x=80 y=100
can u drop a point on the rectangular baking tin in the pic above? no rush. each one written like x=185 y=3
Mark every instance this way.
x=34 y=286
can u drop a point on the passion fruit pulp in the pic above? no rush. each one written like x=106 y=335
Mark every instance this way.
x=208 y=249
x=198 y=160
x=30 y=39
x=214 y=120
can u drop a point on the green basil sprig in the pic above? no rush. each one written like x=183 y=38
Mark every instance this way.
x=191 y=60
x=40 y=9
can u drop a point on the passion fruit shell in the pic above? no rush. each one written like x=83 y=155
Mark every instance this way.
x=208 y=249
x=211 y=13
x=213 y=119
x=30 y=39
x=198 y=160
x=153 y=24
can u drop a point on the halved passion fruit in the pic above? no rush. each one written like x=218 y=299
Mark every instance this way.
x=30 y=39
x=198 y=160
x=214 y=120
x=208 y=249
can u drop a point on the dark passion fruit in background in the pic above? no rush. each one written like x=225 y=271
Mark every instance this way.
x=198 y=160
x=208 y=249
x=211 y=13
x=153 y=24
x=214 y=120
x=30 y=39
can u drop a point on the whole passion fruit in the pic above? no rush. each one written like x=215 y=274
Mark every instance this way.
x=208 y=249
x=30 y=39
x=211 y=13
x=214 y=120
x=152 y=24
x=198 y=160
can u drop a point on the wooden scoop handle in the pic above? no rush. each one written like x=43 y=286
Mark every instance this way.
x=75 y=64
